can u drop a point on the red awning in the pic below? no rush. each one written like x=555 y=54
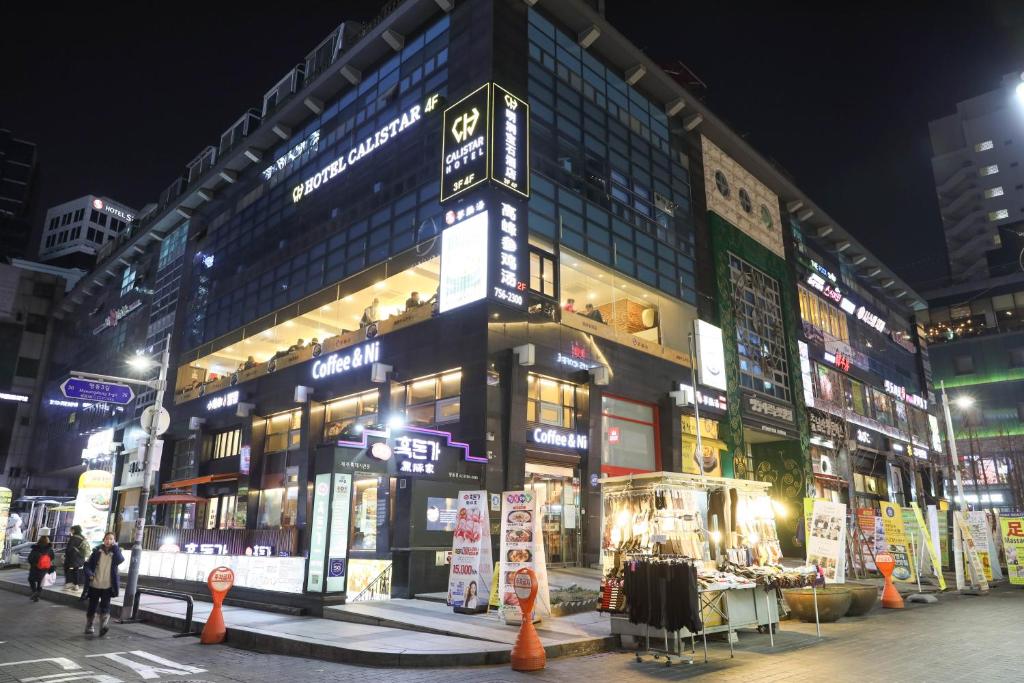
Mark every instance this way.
x=168 y=498
x=195 y=481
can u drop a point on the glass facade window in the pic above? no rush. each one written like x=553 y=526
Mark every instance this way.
x=365 y=492
x=882 y=407
x=760 y=334
x=542 y=273
x=343 y=414
x=629 y=441
x=829 y=386
x=223 y=444
x=284 y=432
x=433 y=400
x=550 y=402
x=220 y=512
x=822 y=315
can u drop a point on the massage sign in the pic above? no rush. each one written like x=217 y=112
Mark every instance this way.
x=469 y=579
x=521 y=547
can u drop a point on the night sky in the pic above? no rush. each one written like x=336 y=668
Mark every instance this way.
x=119 y=100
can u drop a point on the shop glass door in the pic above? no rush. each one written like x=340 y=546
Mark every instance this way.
x=558 y=496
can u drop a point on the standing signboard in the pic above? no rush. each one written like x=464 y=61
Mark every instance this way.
x=978 y=521
x=868 y=538
x=826 y=541
x=337 y=546
x=1012 y=529
x=897 y=542
x=970 y=547
x=522 y=546
x=933 y=552
x=5 y=509
x=469 y=578
x=93 y=503
x=318 y=533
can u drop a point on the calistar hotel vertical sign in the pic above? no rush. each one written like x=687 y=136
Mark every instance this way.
x=485 y=137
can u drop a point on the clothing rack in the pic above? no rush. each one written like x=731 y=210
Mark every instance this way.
x=667 y=653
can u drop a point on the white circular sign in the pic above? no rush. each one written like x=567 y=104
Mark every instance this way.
x=155 y=421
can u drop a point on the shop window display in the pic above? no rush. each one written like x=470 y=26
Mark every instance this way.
x=550 y=402
x=344 y=414
x=629 y=436
x=625 y=306
x=364 y=512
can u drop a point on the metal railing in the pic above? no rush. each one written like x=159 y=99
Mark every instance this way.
x=174 y=595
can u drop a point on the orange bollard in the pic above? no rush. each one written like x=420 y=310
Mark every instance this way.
x=220 y=582
x=528 y=652
x=890 y=596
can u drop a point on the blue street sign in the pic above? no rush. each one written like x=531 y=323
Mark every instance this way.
x=91 y=390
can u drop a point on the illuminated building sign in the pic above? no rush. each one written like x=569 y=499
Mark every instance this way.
x=486 y=135
x=838 y=359
x=116 y=315
x=310 y=144
x=510 y=162
x=507 y=258
x=464 y=148
x=417 y=455
x=559 y=438
x=413 y=450
x=713 y=400
x=61 y=403
x=223 y=401
x=829 y=290
x=374 y=142
x=16 y=398
x=578 y=357
x=100 y=205
x=341 y=362
x=896 y=390
x=463 y=257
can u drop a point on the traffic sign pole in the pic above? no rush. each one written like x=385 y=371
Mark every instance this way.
x=147 y=480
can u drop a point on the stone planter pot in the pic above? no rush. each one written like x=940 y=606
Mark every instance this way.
x=864 y=597
x=833 y=603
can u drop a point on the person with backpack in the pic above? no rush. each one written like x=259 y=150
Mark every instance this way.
x=75 y=554
x=101 y=571
x=40 y=563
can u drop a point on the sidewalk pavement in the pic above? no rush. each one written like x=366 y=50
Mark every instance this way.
x=374 y=642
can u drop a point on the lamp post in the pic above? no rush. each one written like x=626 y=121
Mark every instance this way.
x=965 y=401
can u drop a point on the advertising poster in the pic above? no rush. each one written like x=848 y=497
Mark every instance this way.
x=826 y=542
x=318 y=533
x=469 y=579
x=521 y=546
x=929 y=543
x=869 y=528
x=5 y=508
x=92 y=504
x=1011 y=528
x=897 y=542
x=978 y=522
x=937 y=522
x=337 y=547
x=970 y=545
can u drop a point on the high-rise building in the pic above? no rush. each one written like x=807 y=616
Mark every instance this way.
x=18 y=190
x=464 y=248
x=75 y=231
x=976 y=163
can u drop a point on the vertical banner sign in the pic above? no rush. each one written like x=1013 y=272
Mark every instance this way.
x=469 y=579
x=337 y=546
x=978 y=521
x=5 y=509
x=971 y=549
x=929 y=541
x=508 y=254
x=464 y=144
x=939 y=532
x=464 y=257
x=510 y=140
x=1012 y=529
x=521 y=546
x=318 y=533
x=93 y=503
x=897 y=542
x=826 y=541
x=867 y=523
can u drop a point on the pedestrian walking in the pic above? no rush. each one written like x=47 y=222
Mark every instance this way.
x=40 y=564
x=75 y=555
x=101 y=571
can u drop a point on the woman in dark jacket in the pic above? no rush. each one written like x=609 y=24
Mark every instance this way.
x=40 y=563
x=101 y=570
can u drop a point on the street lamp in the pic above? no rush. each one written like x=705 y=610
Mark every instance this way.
x=963 y=401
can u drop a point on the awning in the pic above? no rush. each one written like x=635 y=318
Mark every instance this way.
x=168 y=498
x=195 y=481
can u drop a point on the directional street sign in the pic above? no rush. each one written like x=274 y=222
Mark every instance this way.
x=91 y=390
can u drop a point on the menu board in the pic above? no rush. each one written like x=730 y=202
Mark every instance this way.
x=1012 y=529
x=521 y=546
x=896 y=540
x=826 y=541
x=469 y=577
x=93 y=503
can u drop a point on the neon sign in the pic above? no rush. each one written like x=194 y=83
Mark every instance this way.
x=225 y=401
x=312 y=143
x=360 y=151
x=828 y=289
x=339 y=363
x=557 y=438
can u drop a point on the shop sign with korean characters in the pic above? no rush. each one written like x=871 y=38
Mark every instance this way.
x=521 y=546
x=469 y=577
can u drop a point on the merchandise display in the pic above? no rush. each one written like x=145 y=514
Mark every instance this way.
x=755 y=527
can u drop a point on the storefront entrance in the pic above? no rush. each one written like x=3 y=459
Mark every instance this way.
x=557 y=490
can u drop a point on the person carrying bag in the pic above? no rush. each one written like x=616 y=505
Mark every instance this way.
x=41 y=567
x=101 y=571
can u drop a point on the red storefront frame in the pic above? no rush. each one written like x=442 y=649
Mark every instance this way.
x=614 y=471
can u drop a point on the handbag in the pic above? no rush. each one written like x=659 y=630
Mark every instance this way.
x=49 y=579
